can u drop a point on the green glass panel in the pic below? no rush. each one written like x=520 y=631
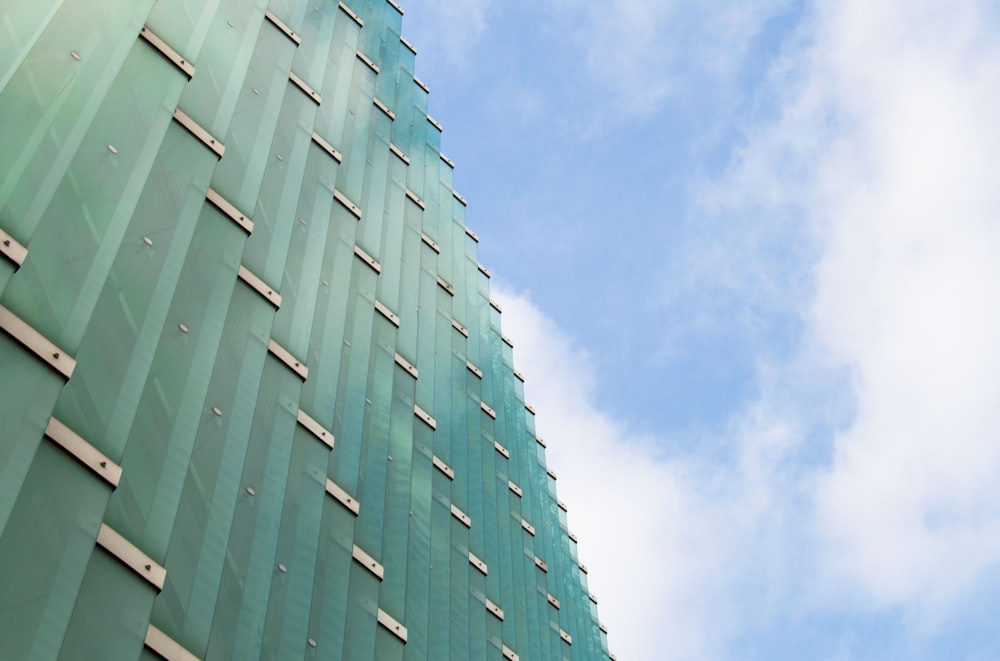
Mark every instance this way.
x=50 y=100
x=111 y=614
x=21 y=26
x=114 y=357
x=44 y=552
x=24 y=414
x=57 y=287
x=183 y=24
x=362 y=611
x=250 y=562
x=286 y=632
x=254 y=120
x=328 y=613
x=278 y=199
x=212 y=489
x=222 y=63
x=6 y=271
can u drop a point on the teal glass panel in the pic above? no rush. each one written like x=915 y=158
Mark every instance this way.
x=6 y=271
x=250 y=562
x=24 y=414
x=114 y=357
x=50 y=100
x=333 y=115
x=302 y=281
x=183 y=24
x=395 y=531
x=328 y=613
x=286 y=632
x=21 y=27
x=387 y=646
x=327 y=346
x=362 y=611
x=316 y=31
x=211 y=96
x=375 y=455
x=420 y=570
x=351 y=402
x=111 y=614
x=278 y=198
x=254 y=119
x=212 y=489
x=56 y=288
x=439 y=597
x=44 y=552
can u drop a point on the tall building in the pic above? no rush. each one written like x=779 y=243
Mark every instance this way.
x=254 y=397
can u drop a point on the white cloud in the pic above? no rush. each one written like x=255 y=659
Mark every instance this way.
x=886 y=151
x=670 y=541
x=446 y=32
x=641 y=52
x=907 y=295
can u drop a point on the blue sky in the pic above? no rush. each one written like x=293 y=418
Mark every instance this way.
x=749 y=255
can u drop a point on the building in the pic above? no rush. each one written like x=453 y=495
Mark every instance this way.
x=254 y=397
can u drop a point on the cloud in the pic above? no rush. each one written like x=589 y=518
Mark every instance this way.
x=881 y=158
x=906 y=295
x=670 y=541
x=640 y=53
x=446 y=32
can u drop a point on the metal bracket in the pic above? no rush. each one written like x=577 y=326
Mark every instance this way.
x=316 y=429
x=302 y=85
x=83 y=451
x=430 y=242
x=351 y=206
x=166 y=51
x=287 y=31
x=384 y=108
x=166 y=647
x=413 y=196
x=392 y=624
x=443 y=467
x=367 y=60
x=367 y=259
x=327 y=147
x=343 y=497
x=407 y=365
x=230 y=210
x=425 y=416
x=399 y=152
x=131 y=556
x=368 y=562
x=347 y=10
x=197 y=131
x=36 y=342
x=11 y=249
x=258 y=285
x=387 y=313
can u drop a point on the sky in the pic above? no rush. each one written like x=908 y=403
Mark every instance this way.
x=749 y=256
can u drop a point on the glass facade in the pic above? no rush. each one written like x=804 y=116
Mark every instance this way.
x=254 y=397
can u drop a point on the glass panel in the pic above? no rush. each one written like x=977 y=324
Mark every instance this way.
x=287 y=630
x=44 y=552
x=56 y=288
x=24 y=414
x=251 y=129
x=110 y=615
x=212 y=489
x=100 y=401
x=51 y=99
x=210 y=98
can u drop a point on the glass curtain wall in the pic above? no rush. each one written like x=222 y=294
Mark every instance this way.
x=255 y=401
